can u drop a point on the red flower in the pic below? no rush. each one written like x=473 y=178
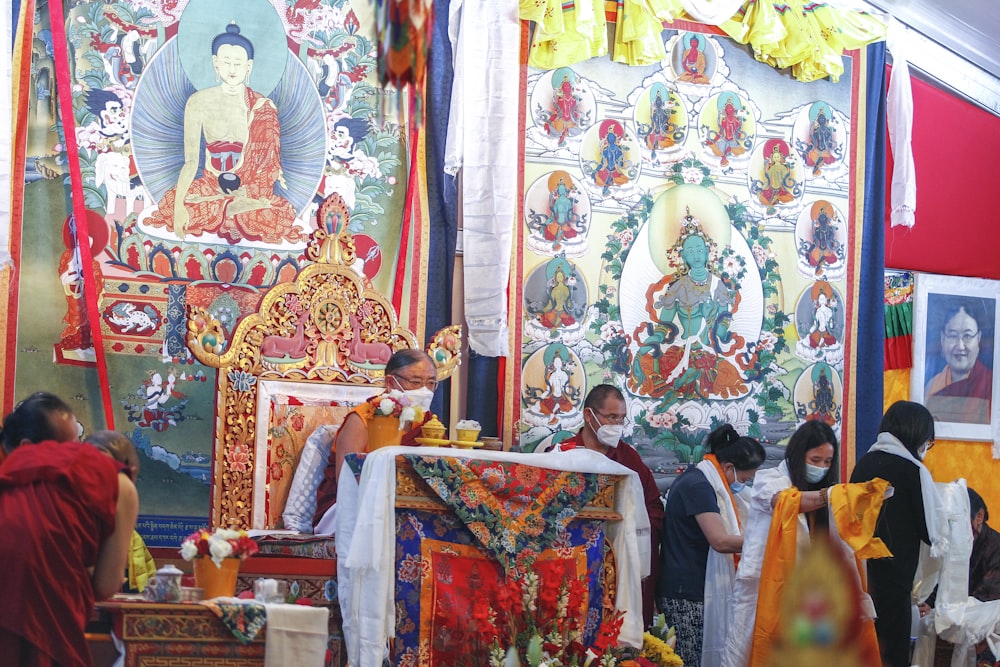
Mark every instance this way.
x=298 y=421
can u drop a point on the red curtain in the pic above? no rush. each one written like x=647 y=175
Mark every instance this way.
x=956 y=150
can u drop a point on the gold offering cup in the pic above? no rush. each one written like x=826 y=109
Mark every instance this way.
x=433 y=432
x=467 y=434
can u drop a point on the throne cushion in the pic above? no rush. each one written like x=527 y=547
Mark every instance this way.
x=301 y=504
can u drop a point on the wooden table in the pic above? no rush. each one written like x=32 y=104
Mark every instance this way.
x=159 y=634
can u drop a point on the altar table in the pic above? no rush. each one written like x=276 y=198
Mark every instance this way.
x=162 y=634
x=367 y=540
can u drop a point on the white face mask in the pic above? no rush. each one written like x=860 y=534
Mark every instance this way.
x=815 y=473
x=421 y=397
x=608 y=435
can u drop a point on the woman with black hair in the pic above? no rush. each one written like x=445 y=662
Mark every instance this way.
x=908 y=518
x=701 y=533
x=810 y=465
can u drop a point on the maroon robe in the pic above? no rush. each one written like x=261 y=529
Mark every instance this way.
x=57 y=508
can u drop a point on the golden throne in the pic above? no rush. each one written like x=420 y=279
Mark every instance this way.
x=315 y=348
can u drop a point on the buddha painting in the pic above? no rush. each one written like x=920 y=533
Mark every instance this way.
x=555 y=302
x=693 y=61
x=818 y=394
x=234 y=198
x=228 y=132
x=567 y=115
x=728 y=133
x=685 y=345
x=553 y=387
x=822 y=147
x=614 y=166
x=820 y=324
x=821 y=237
x=660 y=120
x=777 y=184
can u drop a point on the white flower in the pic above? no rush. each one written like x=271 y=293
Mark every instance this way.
x=219 y=548
x=470 y=424
x=408 y=414
x=189 y=550
x=386 y=405
x=692 y=175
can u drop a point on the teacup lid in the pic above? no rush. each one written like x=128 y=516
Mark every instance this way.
x=169 y=569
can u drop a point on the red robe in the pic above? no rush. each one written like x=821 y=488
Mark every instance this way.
x=259 y=167
x=57 y=508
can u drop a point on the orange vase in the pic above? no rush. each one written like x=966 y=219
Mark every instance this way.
x=217 y=581
x=383 y=431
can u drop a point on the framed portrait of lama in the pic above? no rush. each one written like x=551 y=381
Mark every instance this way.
x=954 y=330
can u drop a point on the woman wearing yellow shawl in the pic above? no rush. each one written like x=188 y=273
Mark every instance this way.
x=788 y=508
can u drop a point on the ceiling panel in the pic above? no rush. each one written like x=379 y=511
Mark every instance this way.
x=969 y=28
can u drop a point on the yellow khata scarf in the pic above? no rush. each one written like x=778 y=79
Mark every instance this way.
x=855 y=509
x=141 y=566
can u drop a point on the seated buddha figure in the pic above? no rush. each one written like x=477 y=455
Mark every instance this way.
x=234 y=196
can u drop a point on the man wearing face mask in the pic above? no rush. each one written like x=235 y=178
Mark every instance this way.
x=411 y=372
x=604 y=418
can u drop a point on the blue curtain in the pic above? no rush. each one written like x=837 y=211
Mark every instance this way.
x=871 y=312
x=442 y=192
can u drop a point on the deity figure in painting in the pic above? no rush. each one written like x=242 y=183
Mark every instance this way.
x=611 y=169
x=558 y=310
x=822 y=406
x=76 y=333
x=683 y=348
x=566 y=115
x=559 y=396
x=825 y=248
x=693 y=63
x=778 y=185
x=824 y=305
x=822 y=147
x=234 y=197
x=561 y=223
x=730 y=139
x=661 y=127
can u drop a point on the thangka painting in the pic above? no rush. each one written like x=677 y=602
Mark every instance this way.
x=686 y=236
x=216 y=138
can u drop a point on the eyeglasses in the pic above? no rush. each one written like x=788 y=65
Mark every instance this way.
x=617 y=420
x=405 y=383
x=966 y=336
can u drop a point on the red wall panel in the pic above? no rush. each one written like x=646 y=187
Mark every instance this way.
x=956 y=150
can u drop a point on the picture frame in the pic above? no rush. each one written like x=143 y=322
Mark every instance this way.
x=954 y=328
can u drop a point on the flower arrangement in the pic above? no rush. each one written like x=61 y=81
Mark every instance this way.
x=221 y=544
x=394 y=403
x=537 y=623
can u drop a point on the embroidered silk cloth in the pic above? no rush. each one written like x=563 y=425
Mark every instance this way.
x=446 y=586
x=244 y=618
x=515 y=511
x=367 y=542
